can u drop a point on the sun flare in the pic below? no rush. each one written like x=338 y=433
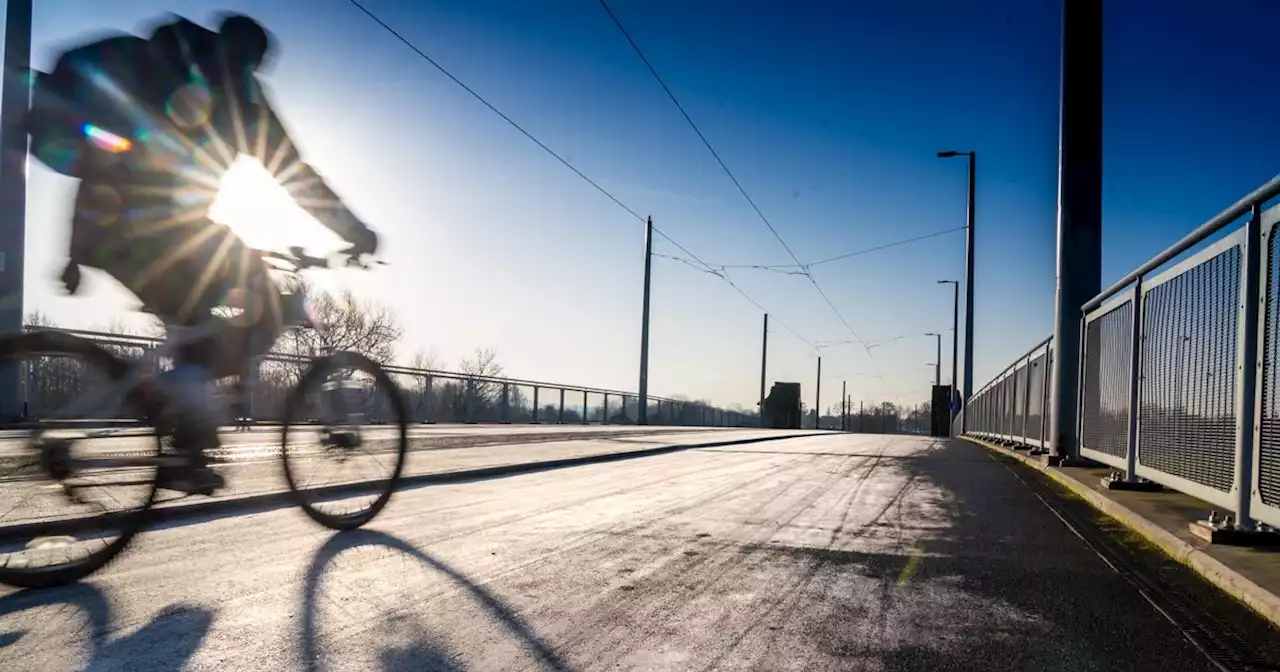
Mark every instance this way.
x=253 y=204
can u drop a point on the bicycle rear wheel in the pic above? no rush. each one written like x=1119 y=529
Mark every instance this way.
x=346 y=413
x=79 y=495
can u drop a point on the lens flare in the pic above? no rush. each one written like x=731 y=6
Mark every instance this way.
x=106 y=140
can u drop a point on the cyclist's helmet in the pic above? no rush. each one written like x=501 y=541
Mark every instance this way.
x=246 y=41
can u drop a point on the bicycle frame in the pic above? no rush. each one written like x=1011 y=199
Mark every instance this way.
x=176 y=336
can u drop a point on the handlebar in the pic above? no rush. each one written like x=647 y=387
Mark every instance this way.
x=300 y=260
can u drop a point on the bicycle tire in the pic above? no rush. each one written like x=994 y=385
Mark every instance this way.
x=295 y=406
x=13 y=349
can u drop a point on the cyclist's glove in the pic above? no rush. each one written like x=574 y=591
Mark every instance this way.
x=71 y=277
x=363 y=241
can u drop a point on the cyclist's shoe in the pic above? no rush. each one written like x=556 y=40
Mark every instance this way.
x=190 y=479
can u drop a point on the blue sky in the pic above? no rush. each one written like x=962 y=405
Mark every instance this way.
x=828 y=113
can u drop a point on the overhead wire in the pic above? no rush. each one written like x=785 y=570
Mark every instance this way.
x=693 y=260
x=716 y=155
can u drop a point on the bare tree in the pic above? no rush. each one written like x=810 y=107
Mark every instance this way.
x=483 y=364
x=478 y=372
x=418 y=391
x=424 y=361
x=346 y=323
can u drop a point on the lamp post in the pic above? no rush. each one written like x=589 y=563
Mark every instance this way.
x=937 y=379
x=968 y=278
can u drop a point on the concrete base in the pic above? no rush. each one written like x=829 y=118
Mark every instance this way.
x=1065 y=461
x=1216 y=534
x=1138 y=486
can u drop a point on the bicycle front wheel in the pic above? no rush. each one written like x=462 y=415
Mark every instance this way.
x=344 y=440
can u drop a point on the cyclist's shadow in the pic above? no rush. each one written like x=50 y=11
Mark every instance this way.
x=165 y=643
x=423 y=656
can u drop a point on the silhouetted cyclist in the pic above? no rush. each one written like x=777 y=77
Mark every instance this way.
x=150 y=125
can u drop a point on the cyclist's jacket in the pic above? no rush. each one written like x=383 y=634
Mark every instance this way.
x=167 y=116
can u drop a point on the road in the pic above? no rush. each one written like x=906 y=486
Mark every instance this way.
x=815 y=553
x=263 y=442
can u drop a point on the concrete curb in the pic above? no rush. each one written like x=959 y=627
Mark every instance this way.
x=1261 y=600
x=206 y=509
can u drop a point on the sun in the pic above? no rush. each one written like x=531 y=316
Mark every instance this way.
x=253 y=204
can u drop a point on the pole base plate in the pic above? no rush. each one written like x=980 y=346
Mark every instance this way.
x=1230 y=536
x=1133 y=486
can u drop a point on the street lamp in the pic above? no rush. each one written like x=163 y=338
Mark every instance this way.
x=955 y=339
x=938 y=376
x=968 y=280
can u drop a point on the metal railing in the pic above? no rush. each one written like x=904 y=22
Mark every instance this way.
x=431 y=396
x=1179 y=369
x=1011 y=408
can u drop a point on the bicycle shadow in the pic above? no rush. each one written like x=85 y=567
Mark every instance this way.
x=424 y=653
x=167 y=642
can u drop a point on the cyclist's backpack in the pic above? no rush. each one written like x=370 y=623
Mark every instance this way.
x=94 y=100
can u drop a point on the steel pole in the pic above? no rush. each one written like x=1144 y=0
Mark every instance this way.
x=1079 y=235
x=817 y=397
x=937 y=370
x=642 y=413
x=844 y=412
x=968 y=281
x=764 y=362
x=15 y=100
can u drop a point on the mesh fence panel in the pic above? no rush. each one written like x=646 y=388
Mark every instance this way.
x=1187 y=413
x=1108 y=341
x=1269 y=436
x=1036 y=380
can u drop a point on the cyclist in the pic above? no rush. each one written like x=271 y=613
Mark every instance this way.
x=150 y=125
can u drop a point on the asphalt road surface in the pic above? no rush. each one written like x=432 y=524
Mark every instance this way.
x=815 y=553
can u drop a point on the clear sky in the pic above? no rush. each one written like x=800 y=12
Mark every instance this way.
x=829 y=113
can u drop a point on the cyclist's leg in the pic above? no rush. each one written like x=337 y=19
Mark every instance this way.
x=168 y=265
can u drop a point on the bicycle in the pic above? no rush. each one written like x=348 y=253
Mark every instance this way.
x=49 y=467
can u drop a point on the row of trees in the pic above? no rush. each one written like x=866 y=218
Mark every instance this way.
x=882 y=418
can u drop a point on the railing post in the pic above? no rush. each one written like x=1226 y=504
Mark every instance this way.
x=1026 y=400
x=1135 y=384
x=1246 y=375
x=604 y=410
x=560 y=421
x=586 y=419
x=503 y=414
x=471 y=400
x=429 y=417
x=535 y=404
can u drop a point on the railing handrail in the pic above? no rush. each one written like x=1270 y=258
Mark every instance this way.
x=140 y=341
x=1264 y=193
x=1013 y=364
